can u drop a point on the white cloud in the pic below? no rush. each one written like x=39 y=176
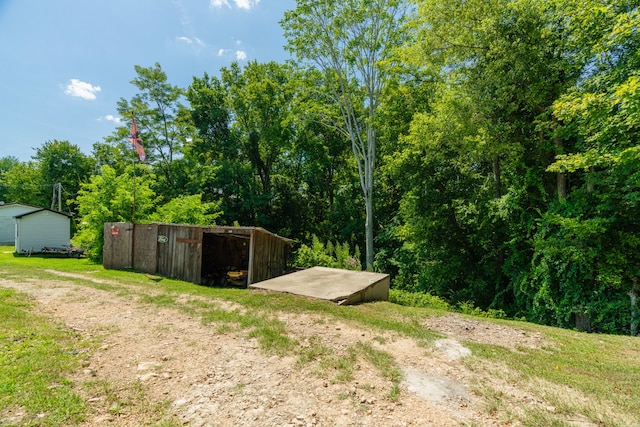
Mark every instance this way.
x=111 y=118
x=222 y=52
x=190 y=40
x=81 y=89
x=246 y=4
x=219 y=3
x=241 y=55
x=240 y=4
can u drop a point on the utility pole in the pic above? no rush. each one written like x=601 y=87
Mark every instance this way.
x=57 y=195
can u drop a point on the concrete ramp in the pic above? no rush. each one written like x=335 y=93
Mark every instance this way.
x=341 y=286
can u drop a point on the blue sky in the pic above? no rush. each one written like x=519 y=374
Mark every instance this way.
x=65 y=63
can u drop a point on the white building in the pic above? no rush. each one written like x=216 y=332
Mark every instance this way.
x=8 y=212
x=42 y=228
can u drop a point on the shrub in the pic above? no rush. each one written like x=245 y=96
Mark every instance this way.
x=327 y=255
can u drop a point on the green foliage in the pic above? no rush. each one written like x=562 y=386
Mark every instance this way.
x=55 y=162
x=109 y=197
x=163 y=127
x=498 y=139
x=62 y=162
x=23 y=184
x=327 y=255
x=348 y=42
x=417 y=299
x=470 y=309
x=37 y=358
x=483 y=219
x=187 y=210
x=6 y=164
x=245 y=153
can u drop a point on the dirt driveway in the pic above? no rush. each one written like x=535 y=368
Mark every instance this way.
x=157 y=360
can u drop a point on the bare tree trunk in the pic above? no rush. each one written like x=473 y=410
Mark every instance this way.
x=633 y=295
x=561 y=177
x=369 y=229
x=369 y=166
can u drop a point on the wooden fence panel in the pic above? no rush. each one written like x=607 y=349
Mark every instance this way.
x=145 y=247
x=117 y=252
x=180 y=256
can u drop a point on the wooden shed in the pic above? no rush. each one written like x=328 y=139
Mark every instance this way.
x=42 y=228
x=208 y=255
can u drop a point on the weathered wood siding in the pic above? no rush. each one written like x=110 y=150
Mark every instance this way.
x=145 y=247
x=178 y=251
x=269 y=255
x=180 y=256
x=117 y=252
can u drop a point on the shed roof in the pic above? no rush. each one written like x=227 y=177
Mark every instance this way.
x=228 y=229
x=2 y=205
x=67 y=214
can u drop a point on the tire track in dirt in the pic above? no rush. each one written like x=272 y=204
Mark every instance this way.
x=206 y=377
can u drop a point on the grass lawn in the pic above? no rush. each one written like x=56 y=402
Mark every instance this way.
x=588 y=378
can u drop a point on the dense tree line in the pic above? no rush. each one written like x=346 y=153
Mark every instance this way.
x=483 y=151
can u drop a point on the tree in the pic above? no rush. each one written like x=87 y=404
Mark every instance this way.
x=473 y=165
x=596 y=226
x=109 y=197
x=348 y=40
x=244 y=134
x=57 y=165
x=63 y=164
x=187 y=210
x=6 y=164
x=23 y=183
x=260 y=99
x=519 y=183
x=220 y=164
x=162 y=124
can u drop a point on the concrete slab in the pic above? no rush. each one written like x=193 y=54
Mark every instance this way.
x=341 y=286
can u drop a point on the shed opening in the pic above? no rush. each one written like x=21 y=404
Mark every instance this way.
x=225 y=259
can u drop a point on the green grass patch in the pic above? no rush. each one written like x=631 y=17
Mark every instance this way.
x=36 y=357
x=582 y=376
x=385 y=364
x=315 y=350
x=273 y=340
x=587 y=375
x=162 y=300
x=339 y=368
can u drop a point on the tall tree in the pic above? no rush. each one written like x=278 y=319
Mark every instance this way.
x=243 y=123
x=24 y=184
x=473 y=167
x=161 y=122
x=56 y=164
x=596 y=228
x=260 y=98
x=64 y=166
x=348 y=40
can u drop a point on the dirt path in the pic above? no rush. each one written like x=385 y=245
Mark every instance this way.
x=206 y=376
